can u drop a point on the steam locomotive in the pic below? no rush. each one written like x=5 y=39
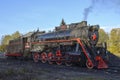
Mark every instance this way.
x=74 y=43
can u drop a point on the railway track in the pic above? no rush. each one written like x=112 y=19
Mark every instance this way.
x=113 y=69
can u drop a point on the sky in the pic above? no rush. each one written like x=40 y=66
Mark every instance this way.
x=29 y=15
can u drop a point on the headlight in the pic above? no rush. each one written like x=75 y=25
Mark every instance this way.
x=98 y=52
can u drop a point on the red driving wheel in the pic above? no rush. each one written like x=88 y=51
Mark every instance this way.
x=36 y=57
x=58 y=58
x=43 y=57
x=50 y=58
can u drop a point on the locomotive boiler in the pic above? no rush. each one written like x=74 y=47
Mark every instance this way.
x=74 y=30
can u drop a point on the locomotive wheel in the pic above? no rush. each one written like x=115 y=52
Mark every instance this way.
x=68 y=63
x=36 y=57
x=89 y=65
x=58 y=57
x=58 y=61
x=50 y=58
x=43 y=57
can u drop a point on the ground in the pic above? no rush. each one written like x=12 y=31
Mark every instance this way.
x=12 y=69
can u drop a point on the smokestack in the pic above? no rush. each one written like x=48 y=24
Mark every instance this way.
x=88 y=9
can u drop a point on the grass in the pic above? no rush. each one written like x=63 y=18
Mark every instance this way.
x=83 y=78
x=23 y=74
x=89 y=78
x=13 y=74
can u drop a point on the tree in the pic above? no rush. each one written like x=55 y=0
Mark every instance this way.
x=103 y=36
x=15 y=35
x=114 y=40
x=5 y=40
x=2 y=48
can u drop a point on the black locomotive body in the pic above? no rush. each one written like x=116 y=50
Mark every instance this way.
x=73 y=43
